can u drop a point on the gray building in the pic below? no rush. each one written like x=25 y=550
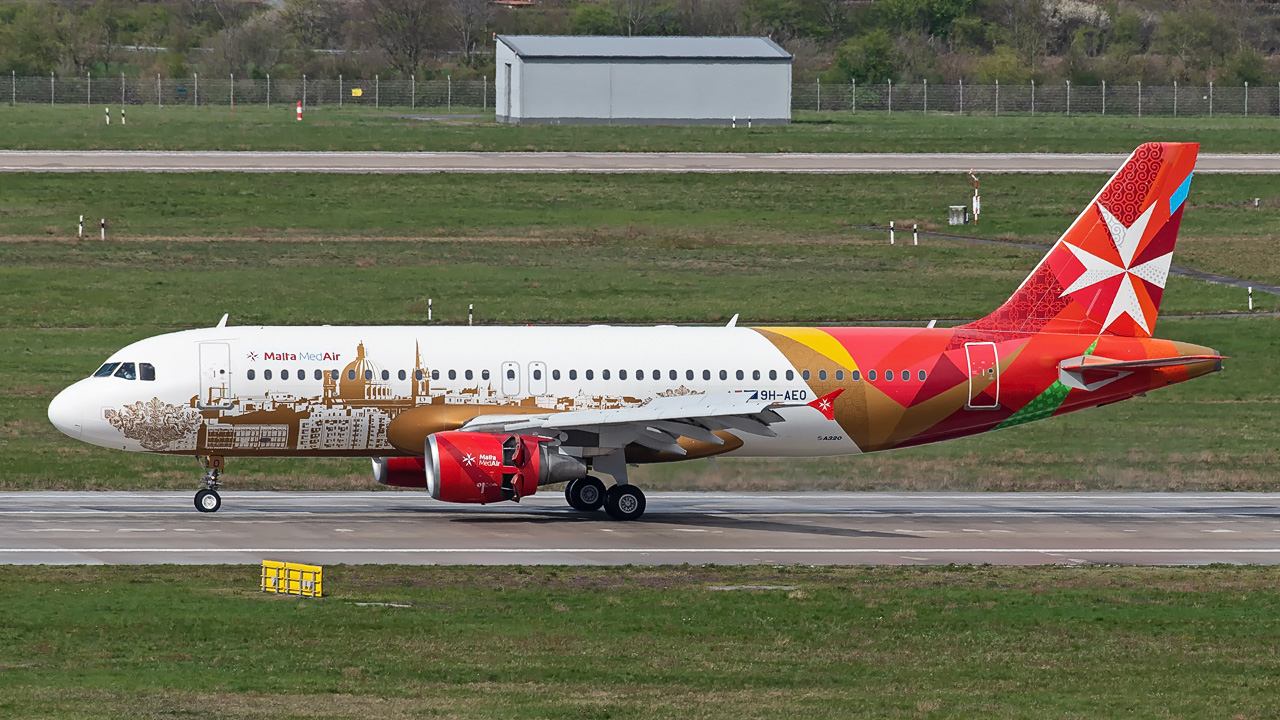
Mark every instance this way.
x=642 y=80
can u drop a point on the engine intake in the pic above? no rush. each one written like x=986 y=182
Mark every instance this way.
x=469 y=467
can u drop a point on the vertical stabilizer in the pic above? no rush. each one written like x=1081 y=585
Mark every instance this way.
x=1107 y=273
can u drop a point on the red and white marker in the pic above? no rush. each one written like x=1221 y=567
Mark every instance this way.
x=299 y=111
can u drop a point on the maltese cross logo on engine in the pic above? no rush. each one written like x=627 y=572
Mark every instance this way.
x=468 y=460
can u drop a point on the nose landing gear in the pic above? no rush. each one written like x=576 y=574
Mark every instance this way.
x=208 y=500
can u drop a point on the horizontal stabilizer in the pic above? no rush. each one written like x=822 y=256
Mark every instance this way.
x=1090 y=372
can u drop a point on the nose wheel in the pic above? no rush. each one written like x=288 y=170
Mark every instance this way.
x=208 y=500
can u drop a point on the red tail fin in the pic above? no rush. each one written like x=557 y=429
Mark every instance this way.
x=1107 y=273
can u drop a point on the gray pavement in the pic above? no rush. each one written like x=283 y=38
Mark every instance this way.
x=727 y=528
x=562 y=162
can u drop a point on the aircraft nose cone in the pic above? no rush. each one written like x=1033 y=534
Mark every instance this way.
x=64 y=413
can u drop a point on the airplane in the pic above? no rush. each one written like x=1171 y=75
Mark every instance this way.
x=491 y=414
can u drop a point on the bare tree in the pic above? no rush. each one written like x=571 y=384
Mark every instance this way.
x=633 y=15
x=402 y=28
x=471 y=18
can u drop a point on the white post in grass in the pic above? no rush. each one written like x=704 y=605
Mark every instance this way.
x=413 y=91
x=926 y=96
x=961 y=96
x=80 y=233
x=339 y=91
x=196 y=77
x=915 y=233
x=997 y=98
x=1250 y=299
x=102 y=229
x=1033 y=98
x=428 y=309
x=891 y=232
x=471 y=308
x=233 y=93
x=304 y=93
x=819 y=94
x=88 y=89
x=50 y=88
x=1104 y=97
x=890 y=96
x=853 y=97
x=1068 y=98
x=159 y=92
x=377 y=92
x=1211 y=99
x=108 y=109
x=484 y=92
x=448 y=103
x=122 y=120
x=1246 y=98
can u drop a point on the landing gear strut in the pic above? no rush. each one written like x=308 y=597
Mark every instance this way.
x=208 y=500
x=586 y=494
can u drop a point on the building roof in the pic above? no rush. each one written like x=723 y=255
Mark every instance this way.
x=609 y=46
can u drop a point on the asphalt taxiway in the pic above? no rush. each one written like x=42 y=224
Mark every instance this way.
x=726 y=528
x=597 y=162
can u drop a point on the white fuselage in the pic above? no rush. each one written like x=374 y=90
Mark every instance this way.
x=328 y=390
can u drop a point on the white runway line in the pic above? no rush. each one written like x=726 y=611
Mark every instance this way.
x=661 y=551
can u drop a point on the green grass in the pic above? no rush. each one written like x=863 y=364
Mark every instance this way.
x=71 y=127
x=642 y=642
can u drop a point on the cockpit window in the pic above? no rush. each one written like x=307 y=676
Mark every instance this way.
x=106 y=370
x=127 y=371
x=146 y=371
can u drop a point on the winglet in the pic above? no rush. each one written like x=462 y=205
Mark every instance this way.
x=223 y=322
x=827 y=404
x=733 y=321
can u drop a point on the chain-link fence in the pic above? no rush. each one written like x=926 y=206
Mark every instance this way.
x=961 y=98
x=1032 y=98
x=195 y=91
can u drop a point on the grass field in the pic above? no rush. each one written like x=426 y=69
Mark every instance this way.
x=322 y=249
x=639 y=643
x=70 y=127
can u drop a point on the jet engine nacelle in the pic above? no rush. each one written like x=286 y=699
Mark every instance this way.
x=408 y=472
x=470 y=467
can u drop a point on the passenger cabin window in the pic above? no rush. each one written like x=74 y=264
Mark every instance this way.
x=622 y=375
x=386 y=374
x=773 y=374
x=453 y=374
x=250 y=374
x=822 y=374
x=755 y=374
x=284 y=374
x=127 y=371
x=302 y=375
x=573 y=374
x=511 y=373
x=401 y=375
x=791 y=375
x=435 y=374
x=333 y=374
x=555 y=374
x=368 y=374
x=590 y=374
x=724 y=375
x=266 y=374
x=804 y=374
x=319 y=374
x=673 y=374
x=906 y=375
x=888 y=374
x=351 y=374
x=468 y=374
x=921 y=375
x=484 y=374
x=688 y=374
x=417 y=374
x=604 y=374
x=871 y=375
x=855 y=375
x=537 y=374
x=106 y=370
x=839 y=374
x=706 y=374
x=146 y=371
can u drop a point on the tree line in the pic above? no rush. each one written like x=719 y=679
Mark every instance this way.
x=871 y=41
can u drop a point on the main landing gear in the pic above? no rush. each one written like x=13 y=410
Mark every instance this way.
x=208 y=500
x=622 y=502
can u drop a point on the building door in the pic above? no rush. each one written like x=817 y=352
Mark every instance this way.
x=506 y=92
x=215 y=375
x=537 y=378
x=510 y=378
x=984 y=376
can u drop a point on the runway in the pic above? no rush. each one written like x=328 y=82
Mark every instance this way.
x=695 y=528
x=587 y=162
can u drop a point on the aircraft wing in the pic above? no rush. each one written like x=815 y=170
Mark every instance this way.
x=657 y=425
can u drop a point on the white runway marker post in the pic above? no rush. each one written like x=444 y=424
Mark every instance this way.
x=122 y=122
x=890 y=232
x=1250 y=299
x=108 y=115
x=80 y=234
x=470 y=313
x=915 y=233
x=102 y=229
x=299 y=111
x=428 y=309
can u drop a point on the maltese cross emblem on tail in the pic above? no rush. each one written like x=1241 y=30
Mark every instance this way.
x=1120 y=281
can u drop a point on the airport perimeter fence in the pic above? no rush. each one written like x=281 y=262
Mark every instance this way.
x=1038 y=98
x=960 y=98
x=197 y=91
